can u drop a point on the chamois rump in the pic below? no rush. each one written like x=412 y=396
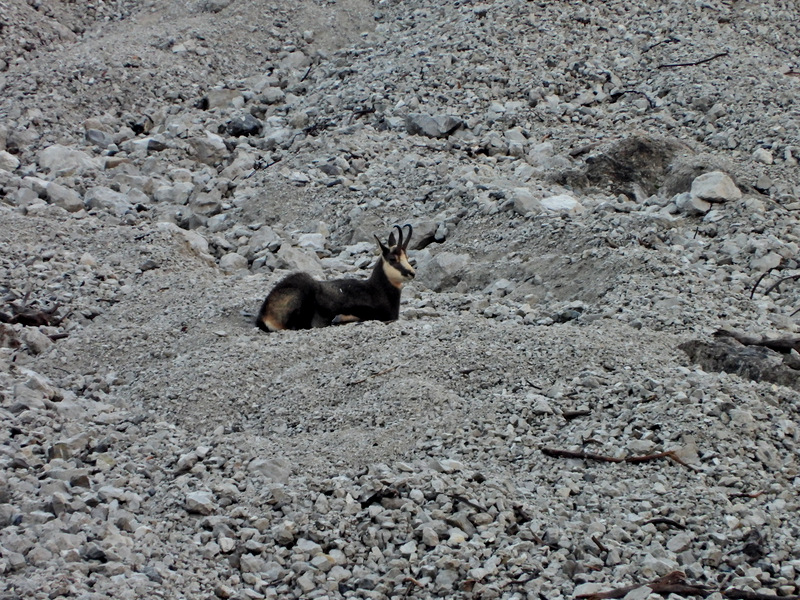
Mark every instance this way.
x=301 y=302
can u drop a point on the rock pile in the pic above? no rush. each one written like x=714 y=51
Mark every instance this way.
x=593 y=192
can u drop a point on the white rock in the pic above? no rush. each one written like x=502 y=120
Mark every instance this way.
x=440 y=271
x=312 y=241
x=562 y=203
x=36 y=341
x=524 y=201
x=8 y=162
x=60 y=160
x=769 y=261
x=691 y=205
x=232 y=262
x=764 y=156
x=679 y=542
x=640 y=593
x=301 y=260
x=200 y=502
x=210 y=149
x=715 y=186
x=276 y=469
x=196 y=242
x=68 y=199
x=104 y=198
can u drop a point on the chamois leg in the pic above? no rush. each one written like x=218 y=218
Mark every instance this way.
x=342 y=319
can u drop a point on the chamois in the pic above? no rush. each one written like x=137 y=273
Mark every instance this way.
x=301 y=302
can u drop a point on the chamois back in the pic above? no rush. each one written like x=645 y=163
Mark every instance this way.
x=301 y=302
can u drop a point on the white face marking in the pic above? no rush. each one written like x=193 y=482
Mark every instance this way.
x=394 y=275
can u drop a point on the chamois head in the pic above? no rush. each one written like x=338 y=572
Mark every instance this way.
x=394 y=258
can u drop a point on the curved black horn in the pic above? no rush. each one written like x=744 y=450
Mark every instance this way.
x=408 y=237
x=400 y=234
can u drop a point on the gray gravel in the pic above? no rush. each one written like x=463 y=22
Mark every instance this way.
x=589 y=210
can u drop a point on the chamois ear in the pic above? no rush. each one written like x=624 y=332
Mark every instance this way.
x=384 y=249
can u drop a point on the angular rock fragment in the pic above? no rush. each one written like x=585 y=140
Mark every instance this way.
x=439 y=126
x=245 y=125
x=715 y=186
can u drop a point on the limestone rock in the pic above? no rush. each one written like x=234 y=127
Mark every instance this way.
x=439 y=126
x=61 y=160
x=103 y=198
x=715 y=186
x=66 y=198
x=210 y=149
x=561 y=203
x=232 y=262
x=8 y=161
x=300 y=260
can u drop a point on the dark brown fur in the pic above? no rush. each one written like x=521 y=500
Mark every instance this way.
x=301 y=302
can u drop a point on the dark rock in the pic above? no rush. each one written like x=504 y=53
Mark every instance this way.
x=758 y=363
x=435 y=127
x=247 y=124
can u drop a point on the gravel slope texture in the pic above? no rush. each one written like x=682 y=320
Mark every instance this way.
x=604 y=198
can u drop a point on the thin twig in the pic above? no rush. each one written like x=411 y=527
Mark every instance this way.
x=758 y=281
x=691 y=64
x=388 y=370
x=780 y=281
x=747 y=494
x=668 y=40
x=599 y=544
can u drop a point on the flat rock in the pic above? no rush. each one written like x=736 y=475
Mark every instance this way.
x=561 y=203
x=61 y=160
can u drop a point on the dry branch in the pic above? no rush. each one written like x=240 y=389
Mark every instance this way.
x=758 y=281
x=389 y=370
x=691 y=64
x=675 y=583
x=670 y=454
x=665 y=521
x=671 y=583
x=776 y=285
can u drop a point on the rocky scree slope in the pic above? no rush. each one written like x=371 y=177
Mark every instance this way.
x=583 y=210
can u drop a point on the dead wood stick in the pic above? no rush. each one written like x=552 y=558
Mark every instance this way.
x=389 y=370
x=670 y=454
x=668 y=40
x=599 y=544
x=758 y=281
x=668 y=584
x=737 y=594
x=574 y=414
x=556 y=453
x=779 y=282
x=691 y=64
x=747 y=494
x=665 y=521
